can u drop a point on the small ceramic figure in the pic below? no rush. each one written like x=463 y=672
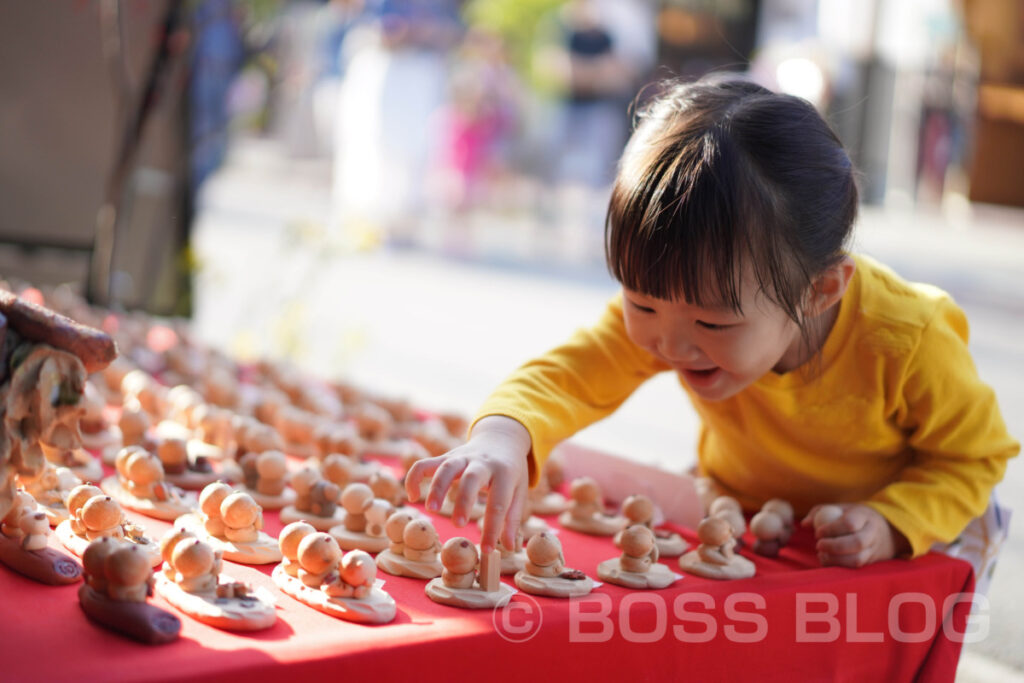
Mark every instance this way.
x=460 y=584
x=139 y=485
x=639 y=509
x=385 y=485
x=232 y=522
x=344 y=470
x=97 y=433
x=544 y=499
x=183 y=468
x=119 y=578
x=49 y=489
x=729 y=508
x=586 y=511
x=772 y=527
x=545 y=572
x=316 y=501
x=288 y=542
x=372 y=422
x=339 y=438
x=341 y=585
x=191 y=582
x=23 y=545
x=296 y=427
x=715 y=558
x=362 y=526
x=638 y=566
x=95 y=515
x=413 y=547
x=266 y=476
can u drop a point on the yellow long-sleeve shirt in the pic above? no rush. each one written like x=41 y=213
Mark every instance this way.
x=893 y=414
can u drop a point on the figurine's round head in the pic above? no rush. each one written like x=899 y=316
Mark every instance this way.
x=826 y=514
x=419 y=534
x=385 y=485
x=395 y=526
x=101 y=512
x=337 y=468
x=723 y=503
x=172 y=538
x=212 y=496
x=735 y=520
x=95 y=556
x=239 y=510
x=172 y=451
x=585 y=490
x=127 y=566
x=714 y=531
x=122 y=458
x=356 y=498
x=358 y=568
x=554 y=472
x=133 y=424
x=303 y=480
x=780 y=507
x=318 y=553
x=193 y=558
x=766 y=525
x=78 y=496
x=543 y=549
x=272 y=465
x=263 y=438
x=144 y=468
x=458 y=555
x=639 y=509
x=636 y=540
x=290 y=537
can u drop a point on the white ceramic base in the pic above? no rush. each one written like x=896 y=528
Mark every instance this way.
x=252 y=613
x=659 y=576
x=468 y=598
x=377 y=608
x=553 y=587
x=399 y=565
x=179 y=503
x=739 y=568
x=77 y=544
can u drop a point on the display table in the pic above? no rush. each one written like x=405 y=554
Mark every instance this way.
x=893 y=621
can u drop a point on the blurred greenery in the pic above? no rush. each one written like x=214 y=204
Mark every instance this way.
x=518 y=22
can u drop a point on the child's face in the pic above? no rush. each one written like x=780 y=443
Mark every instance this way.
x=716 y=351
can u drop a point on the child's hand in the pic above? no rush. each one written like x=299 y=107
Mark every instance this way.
x=494 y=458
x=861 y=536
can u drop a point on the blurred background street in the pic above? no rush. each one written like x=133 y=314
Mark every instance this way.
x=410 y=194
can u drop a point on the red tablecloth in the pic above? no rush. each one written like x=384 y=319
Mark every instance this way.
x=795 y=620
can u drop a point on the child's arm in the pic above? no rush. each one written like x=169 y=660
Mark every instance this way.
x=495 y=458
x=549 y=399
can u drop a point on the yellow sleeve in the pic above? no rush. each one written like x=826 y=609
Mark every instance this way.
x=960 y=442
x=573 y=385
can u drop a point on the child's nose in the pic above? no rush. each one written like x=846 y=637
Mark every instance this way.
x=677 y=348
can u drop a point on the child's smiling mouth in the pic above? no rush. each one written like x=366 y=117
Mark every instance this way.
x=700 y=378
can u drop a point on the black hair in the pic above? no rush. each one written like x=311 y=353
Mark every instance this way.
x=719 y=171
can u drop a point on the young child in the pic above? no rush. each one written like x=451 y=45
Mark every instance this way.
x=819 y=376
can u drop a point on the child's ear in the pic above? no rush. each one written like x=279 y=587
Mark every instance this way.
x=828 y=288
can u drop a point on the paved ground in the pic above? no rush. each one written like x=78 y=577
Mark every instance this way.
x=445 y=330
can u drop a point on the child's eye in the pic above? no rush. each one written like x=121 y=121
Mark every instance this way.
x=642 y=309
x=712 y=326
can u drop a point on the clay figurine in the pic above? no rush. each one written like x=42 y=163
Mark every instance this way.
x=23 y=545
x=97 y=433
x=96 y=515
x=729 y=509
x=639 y=509
x=413 y=547
x=544 y=499
x=182 y=466
x=362 y=526
x=586 y=511
x=232 y=522
x=638 y=566
x=139 y=485
x=385 y=485
x=772 y=527
x=335 y=583
x=118 y=579
x=316 y=501
x=466 y=581
x=190 y=580
x=344 y=469
x=49 y=489
x=545 y=572
x=296 y=427
x=715 y=558
x=266 y=476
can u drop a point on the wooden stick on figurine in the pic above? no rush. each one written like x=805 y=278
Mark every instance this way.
x=461 y=585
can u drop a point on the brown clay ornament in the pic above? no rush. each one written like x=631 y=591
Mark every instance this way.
x=638 y=566
x=316 y=501
x=191 y=581
x=545 y=572
x=413 y=547
x=466 y=581
x=96 y=515
x=24 y=532
x=639 y=509
x=586 y=511
x=715 y=558
x=363 y=524
x=339 y=584
x=139 y=485
x=232 y=522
